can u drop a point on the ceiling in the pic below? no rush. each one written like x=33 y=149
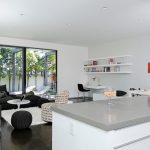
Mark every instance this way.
x=75 y=22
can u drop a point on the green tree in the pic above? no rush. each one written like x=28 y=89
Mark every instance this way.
x=52 y=70
x=19 y=67
x=52 y=66
x=1 y=65
x=6 y=64
x=37 y=67
x=31 y=60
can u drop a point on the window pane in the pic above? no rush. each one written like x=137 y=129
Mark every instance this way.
x=11 y=68
x=41 y=71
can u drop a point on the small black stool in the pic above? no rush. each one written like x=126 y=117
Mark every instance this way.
x=21 y=119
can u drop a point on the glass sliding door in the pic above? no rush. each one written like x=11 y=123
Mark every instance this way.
x=28 y=69
x=11 y=68
x=41 y=72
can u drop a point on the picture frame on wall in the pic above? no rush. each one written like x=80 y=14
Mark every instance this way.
x=148 y=67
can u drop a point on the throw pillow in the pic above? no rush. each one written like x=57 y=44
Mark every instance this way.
x=33 y=100
x=24 y=96
x=3 y=94
x=3 y=88
x=120 y=93
x=29 y=93
x=18 y=96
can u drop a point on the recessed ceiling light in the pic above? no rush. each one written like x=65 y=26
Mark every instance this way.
x=69 y=24
x=105 y=7
x=21 y=14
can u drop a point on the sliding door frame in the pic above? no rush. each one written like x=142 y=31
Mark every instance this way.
x=24 y=49
x=24 y=71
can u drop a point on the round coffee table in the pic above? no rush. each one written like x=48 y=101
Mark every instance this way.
x=18 y=102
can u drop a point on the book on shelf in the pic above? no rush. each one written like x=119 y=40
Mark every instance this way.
x=95 y=62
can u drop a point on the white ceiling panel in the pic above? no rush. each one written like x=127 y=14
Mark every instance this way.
x=77 y=22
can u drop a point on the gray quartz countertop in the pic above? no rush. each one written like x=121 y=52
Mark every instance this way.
x=121 y=113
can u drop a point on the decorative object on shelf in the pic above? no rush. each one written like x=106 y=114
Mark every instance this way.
x=106 y=69
x=95 y=62
x=111 y=61
x=117 y=69
x=93 y=69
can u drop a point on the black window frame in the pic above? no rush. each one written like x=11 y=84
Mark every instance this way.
x=24 y=49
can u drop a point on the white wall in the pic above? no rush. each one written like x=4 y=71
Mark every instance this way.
x=139 y=47
x=70 y=61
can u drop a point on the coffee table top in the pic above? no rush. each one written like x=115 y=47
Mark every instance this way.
x=18 y=101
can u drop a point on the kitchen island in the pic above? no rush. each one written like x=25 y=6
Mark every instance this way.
x=123 y=125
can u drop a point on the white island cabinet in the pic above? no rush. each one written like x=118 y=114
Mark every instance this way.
x=125 y=125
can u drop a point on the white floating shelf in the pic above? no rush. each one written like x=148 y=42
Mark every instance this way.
x=109 y=65
x=118 y=65
x=121 y=72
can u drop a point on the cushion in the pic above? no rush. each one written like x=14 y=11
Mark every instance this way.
x=5 y=99
x=29 y=93
x=33 y=101
x=3 y=88
x=24 y=96
x=2 y=94
x=120 y=93
x=14 y=96
x=32 y=97
x=18 y=96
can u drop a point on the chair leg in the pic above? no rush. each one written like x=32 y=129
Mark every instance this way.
x=78 y=94
x=83 y=96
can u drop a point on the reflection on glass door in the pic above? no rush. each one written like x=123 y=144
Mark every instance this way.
x=41 y=71
x=11 y=68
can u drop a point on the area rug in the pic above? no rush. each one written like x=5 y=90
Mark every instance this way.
x=35 y=111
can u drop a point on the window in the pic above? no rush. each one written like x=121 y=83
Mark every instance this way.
x=11 y=68
x=39 y=75
x=41 y=70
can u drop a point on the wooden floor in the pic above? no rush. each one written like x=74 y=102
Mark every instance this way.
x=38 y=137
